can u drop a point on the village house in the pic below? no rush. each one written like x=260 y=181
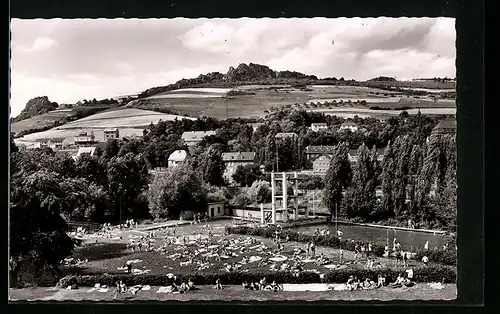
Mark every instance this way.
x=233 y=160
x=315 y=127
x=111 y=133
x=41 y=142
x=255 y=125
x=286 y=135
x=321 y=165
x=88 y=150
x=349 y=125
x=313 y=152
x=176 y=158
x=56 y=143
x=83 y=139
x=353 y=155
x=444 y=127
x=194 y=137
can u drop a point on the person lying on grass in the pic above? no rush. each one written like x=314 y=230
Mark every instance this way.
x=369 y=284
x=398 y=283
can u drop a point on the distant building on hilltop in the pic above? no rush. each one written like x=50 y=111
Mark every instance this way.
x=83 y=139
x=194 y=137
x=176 y=158
x=233 y=160
x=348 y=125
x=41 y=142
x=56 y=143
x=111 y=133
x=315 y=127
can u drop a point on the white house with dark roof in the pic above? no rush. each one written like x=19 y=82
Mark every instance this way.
x=176 y=158
x=313 y=152
x=349 y=125
x=111 y=133
x=321 y=165
x=84 y=139
x=285 y=135
x=56 y=143
x=233 y=160
x=41 y=142
x=315 y=127
x=194 y=137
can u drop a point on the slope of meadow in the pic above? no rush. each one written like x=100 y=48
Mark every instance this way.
x=130 y=121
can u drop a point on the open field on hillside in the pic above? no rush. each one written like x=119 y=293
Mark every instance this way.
x=215 y=102
x=49 y=118
x=130 y=121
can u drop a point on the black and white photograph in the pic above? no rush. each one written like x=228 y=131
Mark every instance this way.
x=268 y=159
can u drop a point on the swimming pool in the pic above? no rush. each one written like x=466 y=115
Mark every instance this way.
x=408 y=239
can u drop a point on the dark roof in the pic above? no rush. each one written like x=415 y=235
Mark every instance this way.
x=446 y=125
x=196 y=135
x=57 y=139
x=283 y=135
x=42 y=140
x=349 y=123
x=319 y=149
x=239 y=156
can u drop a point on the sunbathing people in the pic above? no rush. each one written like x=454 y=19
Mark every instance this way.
x=368 y=284
x=398 y=283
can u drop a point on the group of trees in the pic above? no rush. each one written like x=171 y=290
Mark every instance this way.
x=417 y=181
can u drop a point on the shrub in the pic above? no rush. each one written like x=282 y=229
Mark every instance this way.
x=422 y=274
x=440 y=256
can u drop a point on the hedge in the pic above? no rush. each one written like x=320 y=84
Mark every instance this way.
x=439 y=256
x=421 y=274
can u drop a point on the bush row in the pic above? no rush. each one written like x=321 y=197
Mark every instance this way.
x=439 y=256
x=421 y=274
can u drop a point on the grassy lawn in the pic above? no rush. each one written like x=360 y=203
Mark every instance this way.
x=231 y=293
x=107 y=256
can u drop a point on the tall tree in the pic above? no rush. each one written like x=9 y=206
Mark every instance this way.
x=363 y=200
x=338 y=177
x=38 y=231
x=211 y=166
x=247 y=175
x=388 y=171
x=127 y=179
x=179 y=190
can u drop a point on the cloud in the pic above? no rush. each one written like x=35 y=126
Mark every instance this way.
x=40 y=44
x=105 y=58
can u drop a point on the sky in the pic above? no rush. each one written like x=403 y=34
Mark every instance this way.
x=75 y=59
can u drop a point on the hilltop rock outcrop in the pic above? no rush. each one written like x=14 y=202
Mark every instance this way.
x=35 y=107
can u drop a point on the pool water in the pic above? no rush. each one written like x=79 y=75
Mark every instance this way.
x=409 y=239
